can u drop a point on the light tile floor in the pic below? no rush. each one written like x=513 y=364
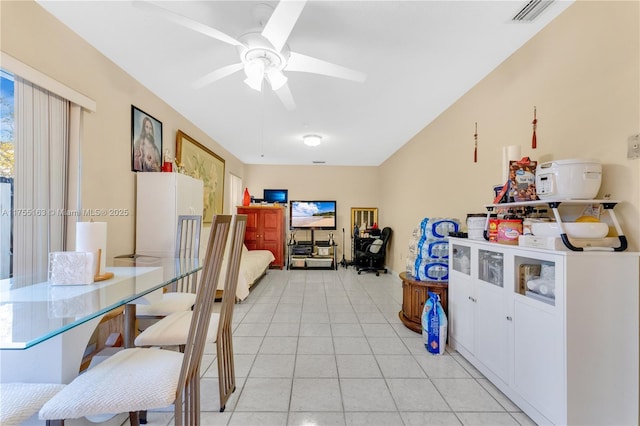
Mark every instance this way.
x=323 y=347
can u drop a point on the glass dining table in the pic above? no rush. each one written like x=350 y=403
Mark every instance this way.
x=45 y=328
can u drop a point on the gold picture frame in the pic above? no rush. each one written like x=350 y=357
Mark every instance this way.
x=197 y=161
x=363 y=214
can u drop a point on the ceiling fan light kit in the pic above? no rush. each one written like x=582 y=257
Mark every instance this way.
x=276 y=79
x=312 y=140
x=261 y=61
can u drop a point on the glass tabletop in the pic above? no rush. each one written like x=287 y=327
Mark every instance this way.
x=30 y=314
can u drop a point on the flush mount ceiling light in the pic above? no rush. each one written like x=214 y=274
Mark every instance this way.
x=312 y=140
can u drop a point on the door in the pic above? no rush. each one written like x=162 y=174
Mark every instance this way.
x=271 y=234
x=252 y=231
x=265 y=231
x=462 y=308
x=492 y=345
x=493 y=322
x=419 y=297
x=538 y=359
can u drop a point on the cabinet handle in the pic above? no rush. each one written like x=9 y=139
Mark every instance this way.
x=509 y=318
x=472 y=299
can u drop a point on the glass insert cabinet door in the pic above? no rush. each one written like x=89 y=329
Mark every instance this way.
x=366 y=215
x=461 y=261
x=491 y=267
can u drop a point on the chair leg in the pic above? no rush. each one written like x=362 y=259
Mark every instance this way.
x=134 y=418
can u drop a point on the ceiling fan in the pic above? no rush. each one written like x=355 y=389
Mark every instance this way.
x=264 y=55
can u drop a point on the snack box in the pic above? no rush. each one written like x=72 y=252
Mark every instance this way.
x=522 y=180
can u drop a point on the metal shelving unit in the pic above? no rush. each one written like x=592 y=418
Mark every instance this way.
x=608 y=206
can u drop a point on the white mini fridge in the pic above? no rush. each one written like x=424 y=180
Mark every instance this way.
x=160 y=199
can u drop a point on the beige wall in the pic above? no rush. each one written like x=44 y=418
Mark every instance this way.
x=349 y=186
x=582 y=73
x=33 y=36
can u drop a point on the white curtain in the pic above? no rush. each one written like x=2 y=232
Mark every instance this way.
x=40 y=187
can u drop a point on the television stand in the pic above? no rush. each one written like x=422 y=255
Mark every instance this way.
x=309 y=255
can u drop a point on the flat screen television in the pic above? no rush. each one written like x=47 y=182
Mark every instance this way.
x=312 y=215
x=275 y=196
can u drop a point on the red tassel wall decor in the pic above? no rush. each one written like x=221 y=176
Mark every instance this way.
x=475 y=145
x=534 y=141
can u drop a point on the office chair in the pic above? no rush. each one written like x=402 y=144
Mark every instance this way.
x=374 y=253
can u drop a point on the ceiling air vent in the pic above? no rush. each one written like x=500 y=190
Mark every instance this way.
x=531 y=10
x=318 y=162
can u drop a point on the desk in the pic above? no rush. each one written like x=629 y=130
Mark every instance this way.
x=45 y=328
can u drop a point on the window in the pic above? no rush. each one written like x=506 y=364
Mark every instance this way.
x=34 y=166
x=7 y=155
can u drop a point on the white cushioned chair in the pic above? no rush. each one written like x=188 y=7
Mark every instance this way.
x=182 y=294
x=140 y=379
x=20 y=401
x=173 y=329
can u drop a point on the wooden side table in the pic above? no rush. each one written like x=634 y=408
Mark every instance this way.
x=414 y=295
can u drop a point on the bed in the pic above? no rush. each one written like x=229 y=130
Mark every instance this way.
x=253 y=265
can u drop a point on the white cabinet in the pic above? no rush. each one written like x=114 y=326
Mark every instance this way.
x=570 y=357
x=462 y=312
x=492 y=343
x=161 y=198
x=478 y=306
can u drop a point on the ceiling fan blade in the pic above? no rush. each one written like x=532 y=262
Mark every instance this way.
x=217 y=75
x=187 y=22
x=304 y=63
x=285 y=96
x=282 y=21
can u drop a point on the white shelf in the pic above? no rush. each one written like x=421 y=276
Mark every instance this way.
x=553 y=205
x=539 y=202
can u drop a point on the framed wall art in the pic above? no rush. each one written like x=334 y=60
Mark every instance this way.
x=196 y=160
x=146 y=142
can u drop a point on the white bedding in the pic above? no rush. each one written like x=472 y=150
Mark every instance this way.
x=252 y=266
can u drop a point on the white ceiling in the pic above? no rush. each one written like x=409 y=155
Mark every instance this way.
x=419 y=57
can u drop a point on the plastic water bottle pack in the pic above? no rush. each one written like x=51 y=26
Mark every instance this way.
x=429 y=249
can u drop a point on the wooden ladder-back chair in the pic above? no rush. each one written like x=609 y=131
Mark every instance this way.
x=173 y=329
x=140 y=379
